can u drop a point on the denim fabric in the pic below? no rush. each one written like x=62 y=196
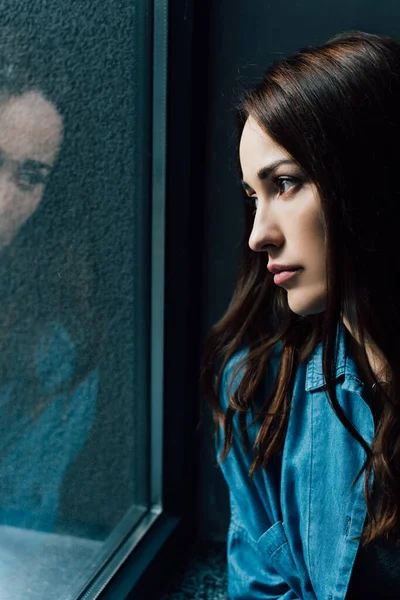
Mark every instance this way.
x=35 y=455
x=292 y=529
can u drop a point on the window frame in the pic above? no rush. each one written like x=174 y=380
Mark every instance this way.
x=142 y=565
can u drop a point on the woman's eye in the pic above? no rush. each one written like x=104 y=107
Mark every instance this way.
x=284 y=184
x=27 y=180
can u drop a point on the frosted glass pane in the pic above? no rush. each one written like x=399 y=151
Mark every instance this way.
x=75 y=131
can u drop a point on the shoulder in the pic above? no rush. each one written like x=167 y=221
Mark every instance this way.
x=50 y=352
x=56 y=356
x=232 y=374
x=236 y=367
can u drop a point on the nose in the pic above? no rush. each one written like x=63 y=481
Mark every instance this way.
x=266 y=232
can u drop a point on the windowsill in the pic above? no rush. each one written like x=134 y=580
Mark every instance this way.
x=38 y=565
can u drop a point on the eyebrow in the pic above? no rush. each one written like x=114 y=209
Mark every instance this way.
x=36 y=164
x=30 y=163
x=265 y=172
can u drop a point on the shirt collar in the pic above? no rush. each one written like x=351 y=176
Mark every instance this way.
x=345 y=365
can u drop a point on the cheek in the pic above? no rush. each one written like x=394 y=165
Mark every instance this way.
x=29 y=201
x=33 y=201
x=313 y=220
x=316 y=233
x=18 y=207
x=319 y=253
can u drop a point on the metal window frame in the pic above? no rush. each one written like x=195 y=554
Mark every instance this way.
x=154 y=528
x=162 y=541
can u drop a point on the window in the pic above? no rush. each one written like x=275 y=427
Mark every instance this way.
x=82 y=186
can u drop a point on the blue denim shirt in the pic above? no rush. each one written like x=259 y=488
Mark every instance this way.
x=33 y=467
x=292 y=529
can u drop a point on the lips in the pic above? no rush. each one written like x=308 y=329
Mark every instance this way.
x=283 y=276
x=279 y=268
x=283 y=273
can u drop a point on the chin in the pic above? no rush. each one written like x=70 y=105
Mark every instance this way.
x=305 y=307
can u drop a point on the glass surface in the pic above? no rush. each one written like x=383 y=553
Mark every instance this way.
x=75 y=194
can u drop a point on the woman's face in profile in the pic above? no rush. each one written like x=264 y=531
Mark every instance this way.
x=30 y=137
x=288 y=222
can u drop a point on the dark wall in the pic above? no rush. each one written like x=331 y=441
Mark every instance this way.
x=245 y=37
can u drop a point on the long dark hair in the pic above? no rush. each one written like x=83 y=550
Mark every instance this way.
x=335 y=109
x=47 y=274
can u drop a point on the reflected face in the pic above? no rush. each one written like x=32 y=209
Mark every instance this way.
x=288 y=222
x=30 y=137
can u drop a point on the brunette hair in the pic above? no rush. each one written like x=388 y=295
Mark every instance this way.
x=335 y=109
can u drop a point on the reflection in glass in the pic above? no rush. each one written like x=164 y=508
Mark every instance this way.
x=48 y=393
x=75 y=133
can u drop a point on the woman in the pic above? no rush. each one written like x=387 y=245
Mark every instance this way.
x=303 y=369
x=48 y=370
